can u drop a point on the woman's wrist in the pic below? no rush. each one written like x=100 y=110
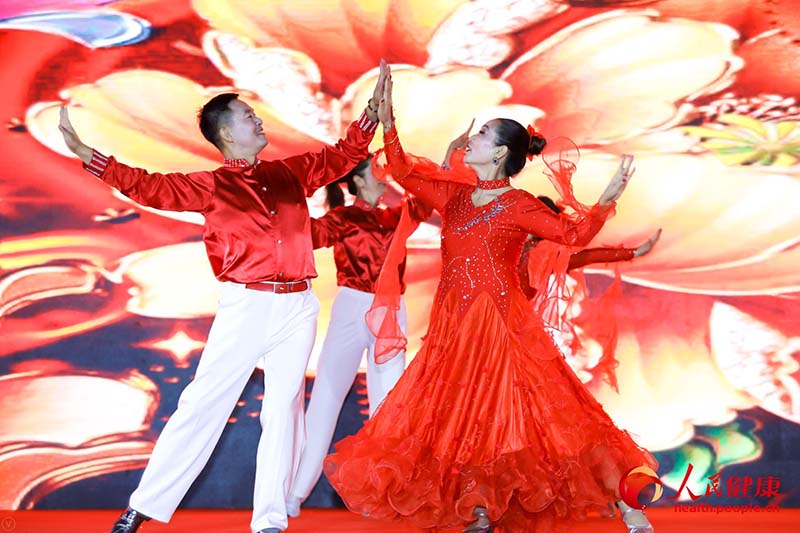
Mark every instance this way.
x=389 y=134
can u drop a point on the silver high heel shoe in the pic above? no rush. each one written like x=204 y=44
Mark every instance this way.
x=634 y=519
x=479 y=513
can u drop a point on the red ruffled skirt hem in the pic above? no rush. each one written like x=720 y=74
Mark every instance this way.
x=488 y=414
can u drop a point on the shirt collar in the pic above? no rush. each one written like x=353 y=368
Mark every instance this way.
x=239 y=163
x=361 y=204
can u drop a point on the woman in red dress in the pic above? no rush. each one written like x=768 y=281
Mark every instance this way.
x=488 y=424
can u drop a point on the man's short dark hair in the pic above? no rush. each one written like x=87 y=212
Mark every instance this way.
x=214 y=115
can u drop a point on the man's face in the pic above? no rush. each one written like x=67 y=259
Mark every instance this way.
x=244 y=133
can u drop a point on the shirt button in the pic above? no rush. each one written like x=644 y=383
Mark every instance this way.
x=263 y=188
x=280 y=274
x=273 y=212
x=280 y=241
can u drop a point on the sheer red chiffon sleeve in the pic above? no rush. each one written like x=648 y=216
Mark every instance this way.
x=381 y=319
x=432 y=187
x=597 y=320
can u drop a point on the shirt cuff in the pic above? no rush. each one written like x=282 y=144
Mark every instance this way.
x=365 y=124
x=603 y=211
x=98 y=164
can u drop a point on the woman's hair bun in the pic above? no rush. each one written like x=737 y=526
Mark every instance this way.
x=536 y=144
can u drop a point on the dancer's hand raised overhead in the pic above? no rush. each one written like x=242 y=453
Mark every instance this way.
x=71 y=138
x=619 y=181
x=377 y=92
x=385 y=114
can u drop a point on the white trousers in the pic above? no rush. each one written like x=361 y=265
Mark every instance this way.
x=249 y=324
x=345 y=342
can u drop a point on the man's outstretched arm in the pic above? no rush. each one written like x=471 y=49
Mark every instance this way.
x=174 y=191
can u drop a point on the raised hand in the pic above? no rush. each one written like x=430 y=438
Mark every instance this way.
x=619 y=181
x=457 y=143
x=71 y=138
x=385 y=106
x=377 y=92
x=645 y=248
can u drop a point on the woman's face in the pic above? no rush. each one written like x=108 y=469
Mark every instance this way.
x=369 y=188
x=481 y=147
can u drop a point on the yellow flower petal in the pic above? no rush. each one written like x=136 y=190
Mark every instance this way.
x=345 y=38
x=146 y=118
x=419 y=97
x=700 y=203
x=718 y=144
x=745 y=122
x=611 y=76
x=711 y=133
x=786 y=129
x=749 y=155
x=785 y=160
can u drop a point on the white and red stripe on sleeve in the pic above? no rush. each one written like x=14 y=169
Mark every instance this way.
x=98 y=164
x=366 y=125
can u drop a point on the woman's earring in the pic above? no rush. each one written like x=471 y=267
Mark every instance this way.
x=494 y=161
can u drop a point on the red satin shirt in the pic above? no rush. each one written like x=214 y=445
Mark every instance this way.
x=591 y=256
x=257 y=226
x=360 y=235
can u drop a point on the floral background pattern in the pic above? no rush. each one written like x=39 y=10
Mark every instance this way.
x=104 y=304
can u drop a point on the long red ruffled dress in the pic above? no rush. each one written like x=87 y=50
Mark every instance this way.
x=488 y=413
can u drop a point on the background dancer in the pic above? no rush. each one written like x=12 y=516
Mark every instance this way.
x=360 y=235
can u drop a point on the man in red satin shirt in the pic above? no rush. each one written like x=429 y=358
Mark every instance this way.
x=258 y=239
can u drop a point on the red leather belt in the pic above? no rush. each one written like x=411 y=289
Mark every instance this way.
x=280 y=287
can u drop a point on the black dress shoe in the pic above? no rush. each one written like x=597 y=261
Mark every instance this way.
x=129 y=521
